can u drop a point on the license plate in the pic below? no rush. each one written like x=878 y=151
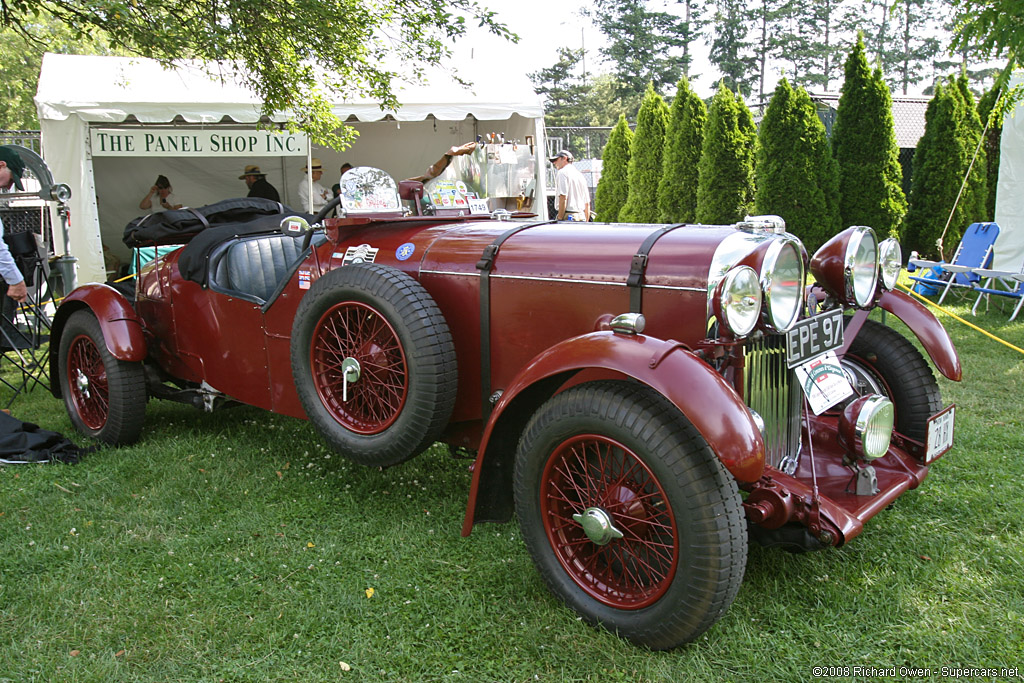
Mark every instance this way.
x=940 y=434
x=814 y=336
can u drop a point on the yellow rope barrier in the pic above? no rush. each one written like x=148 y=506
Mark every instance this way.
x=953 y=315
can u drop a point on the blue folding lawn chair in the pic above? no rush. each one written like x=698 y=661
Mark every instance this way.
x=973 y=252
x=1001 y=283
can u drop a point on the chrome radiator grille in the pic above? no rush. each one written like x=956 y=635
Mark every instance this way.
x=770 y=389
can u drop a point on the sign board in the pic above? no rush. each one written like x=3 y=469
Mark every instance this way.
x=186 y=142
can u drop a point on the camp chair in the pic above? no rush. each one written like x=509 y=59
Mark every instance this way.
x=973 y=252
x=1001 y=283
x=25 y=327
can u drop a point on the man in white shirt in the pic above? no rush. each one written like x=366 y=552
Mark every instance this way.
x=320 y=194
x=571 y=189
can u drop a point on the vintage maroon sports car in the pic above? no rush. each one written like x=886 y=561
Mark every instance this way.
x=644 y=398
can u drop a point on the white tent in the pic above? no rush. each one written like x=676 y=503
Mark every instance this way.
x=95 y=114
x=1009 y=251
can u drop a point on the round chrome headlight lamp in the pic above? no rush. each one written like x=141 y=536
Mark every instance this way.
x=782 y=279
x=866 y=426
x=890 y=261
x=847 y=266
x=862 y=266
x=737 y=301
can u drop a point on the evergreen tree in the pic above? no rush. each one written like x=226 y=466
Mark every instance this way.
x=808 y=37
x=992 y=116
x=915 y=42
x=677 y=192
x=563 y=89
x=645 y=158
x=797 y=178
x=974 y=196
x=725 y=188
x=613 y=187
x=640 y=43
x=731 y=48
x=864 y=146
x=936 y=179
x=690 y=27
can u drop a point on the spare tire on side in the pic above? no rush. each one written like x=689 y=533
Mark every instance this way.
x=374 y=363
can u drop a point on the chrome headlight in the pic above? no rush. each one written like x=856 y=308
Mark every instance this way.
x=866 y=426
x=737 y=301
x=890 y=261
x=782 y=279
x=847 y=266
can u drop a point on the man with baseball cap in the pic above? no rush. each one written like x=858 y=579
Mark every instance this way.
x=573 y=201
x=258 y=185
x=11 y=170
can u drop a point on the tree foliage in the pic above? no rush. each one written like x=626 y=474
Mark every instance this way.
x=677 y=191
x=864 y=146
x=645 y=160
x=974 y=164
x=639 y=44
x=613 y=187
x=992 y=117
x=941 y=161
x=563 y=89
x=731 y=47
x=296 y=55
x=797 y=177
x=21 y=57
x=994 y=28
x=725 y=189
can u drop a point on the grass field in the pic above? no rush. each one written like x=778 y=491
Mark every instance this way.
x=235 y=547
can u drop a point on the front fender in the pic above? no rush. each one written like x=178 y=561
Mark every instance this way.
x=929 y=331
x=121 y=327
x=700 y=393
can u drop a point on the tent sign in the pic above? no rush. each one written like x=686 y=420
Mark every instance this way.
x=183 y=142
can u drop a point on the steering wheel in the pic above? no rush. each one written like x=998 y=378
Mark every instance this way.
x=328 y=207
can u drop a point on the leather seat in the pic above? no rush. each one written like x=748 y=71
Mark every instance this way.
x=257 y=266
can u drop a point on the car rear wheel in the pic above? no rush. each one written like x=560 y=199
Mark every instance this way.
x=628 y=515
x=882 y=361
x=105 y=397
x=374 y=363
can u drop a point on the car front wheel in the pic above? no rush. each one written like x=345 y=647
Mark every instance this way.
x=105 y=397
x=628 y=515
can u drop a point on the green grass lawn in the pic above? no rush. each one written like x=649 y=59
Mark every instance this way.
x=236 y=547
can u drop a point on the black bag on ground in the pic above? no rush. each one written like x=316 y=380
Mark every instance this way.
x=26 y=443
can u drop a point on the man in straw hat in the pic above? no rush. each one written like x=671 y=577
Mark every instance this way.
x=320 y=194
x=258 y=185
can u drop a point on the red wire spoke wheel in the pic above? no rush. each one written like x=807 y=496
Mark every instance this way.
x=105 y=397
x=372 y=403
x=628 y=515
x=374 y=363
x=87 y=379
x=596 y=476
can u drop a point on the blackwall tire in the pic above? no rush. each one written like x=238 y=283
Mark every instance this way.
x=105 y=397
x=883 y=361
x=387 y=322
x=621 y=453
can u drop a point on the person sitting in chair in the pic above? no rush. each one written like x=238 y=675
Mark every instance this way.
x=161 y=192
x=11 y=169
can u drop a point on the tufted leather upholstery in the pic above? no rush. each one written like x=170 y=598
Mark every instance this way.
x=257 y=266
